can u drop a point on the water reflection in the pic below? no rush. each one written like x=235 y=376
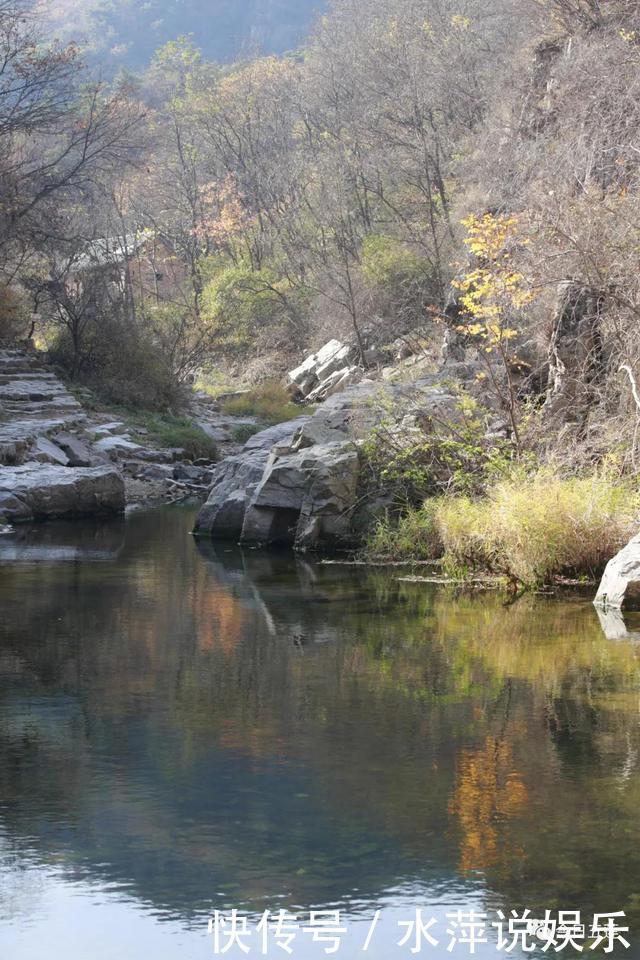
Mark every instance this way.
x=186 y=727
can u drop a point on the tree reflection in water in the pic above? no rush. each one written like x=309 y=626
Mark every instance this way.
x=202 y=727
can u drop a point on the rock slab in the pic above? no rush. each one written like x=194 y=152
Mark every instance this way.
x=620 y=584
x=37 y=491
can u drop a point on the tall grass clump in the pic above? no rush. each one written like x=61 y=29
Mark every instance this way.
x=413 y=537
x=535 y=528
x=269 y=402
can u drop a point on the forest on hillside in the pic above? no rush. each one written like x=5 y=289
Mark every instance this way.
x=413 y=166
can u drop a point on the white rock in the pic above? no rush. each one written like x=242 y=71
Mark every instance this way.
x=318 y=367
x=620 y=582
x=114 y=427
x=117 y=444
x=47 y=452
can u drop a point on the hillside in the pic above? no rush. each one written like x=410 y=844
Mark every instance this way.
x=124 y=34
x=463 y=176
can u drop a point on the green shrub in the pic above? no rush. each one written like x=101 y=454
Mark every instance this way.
x=269 y=402
x=429 y=458
x=14 y=316
x=387 y=262
x=244 y=431
x=239 y=302
x=413 y=537
x=533 y=529
x=170 y=431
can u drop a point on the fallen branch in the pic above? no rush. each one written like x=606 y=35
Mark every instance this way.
x=632 y=381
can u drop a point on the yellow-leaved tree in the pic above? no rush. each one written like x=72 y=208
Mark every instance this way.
x=493 y=293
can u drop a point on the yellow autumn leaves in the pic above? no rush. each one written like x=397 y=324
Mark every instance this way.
x=493 y=291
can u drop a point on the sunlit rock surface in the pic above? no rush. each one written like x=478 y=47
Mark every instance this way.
x=620 y=584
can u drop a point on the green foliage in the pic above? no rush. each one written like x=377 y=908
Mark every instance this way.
x=14 y=317
x=413 y=537
x=269 y=402
x=387 y=262
x=171 y=431
x=428 y=458
x=239 y=302
x=244 y=431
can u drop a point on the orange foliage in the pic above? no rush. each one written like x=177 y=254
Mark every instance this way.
x=488 y=792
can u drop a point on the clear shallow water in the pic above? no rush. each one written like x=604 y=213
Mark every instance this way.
x=185 y=728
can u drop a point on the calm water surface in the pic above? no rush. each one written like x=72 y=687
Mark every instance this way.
x=187 y=728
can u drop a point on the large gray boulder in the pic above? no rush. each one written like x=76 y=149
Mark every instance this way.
x=297 y=483
x=305 y=497
x=36 y=491
x=620 y=584
x=235 y=480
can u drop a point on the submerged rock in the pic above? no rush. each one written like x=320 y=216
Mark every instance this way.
x=620 y=584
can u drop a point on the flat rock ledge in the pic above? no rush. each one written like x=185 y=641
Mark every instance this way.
x=37 y=491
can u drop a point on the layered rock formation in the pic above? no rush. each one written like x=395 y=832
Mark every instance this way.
x=296 y=484
x=45 y=469
x=326 y=372
x=35 y=491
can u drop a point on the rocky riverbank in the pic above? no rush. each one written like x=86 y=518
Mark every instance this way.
x=59 y=459
x=297 y=484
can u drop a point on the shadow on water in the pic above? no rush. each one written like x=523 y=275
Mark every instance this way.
x=201 y=726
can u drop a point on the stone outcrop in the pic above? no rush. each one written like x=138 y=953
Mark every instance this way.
x=296 y=484
x=33 y=404
x=576 y=361
x=305 y=496
x=620 y=584
x=235 y=479
x=35 y=491
x=325 y=373
x=42 y=424
x=45 y=470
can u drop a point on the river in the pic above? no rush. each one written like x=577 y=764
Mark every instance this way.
x=187 y=728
